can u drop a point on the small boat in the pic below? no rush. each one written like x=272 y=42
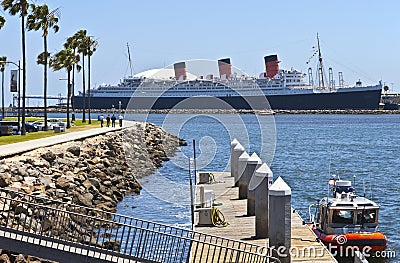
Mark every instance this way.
x=347 y=220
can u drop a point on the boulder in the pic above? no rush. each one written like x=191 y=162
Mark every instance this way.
x=5 y=179
x=95 y=182
x=46 y=180
x=84 y=199
x=70 y=174
x=63 y=183
x=30 y=180
x=75 y=150
x=96 y=160
x=4 y=168
x=49 y=156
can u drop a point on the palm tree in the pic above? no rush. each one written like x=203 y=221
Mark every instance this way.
x=65 y=59
x=20 y=7
x=92 y=46
x=81 y=39
x=41 y=18
x=73 y=44
x=2 y=67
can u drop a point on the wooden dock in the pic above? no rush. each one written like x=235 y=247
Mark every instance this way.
x=305 y=247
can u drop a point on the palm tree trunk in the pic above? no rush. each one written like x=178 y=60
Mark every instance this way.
x=2 y=94
x=73 y=88
x=90 y=119
x=83 y=89
x=45 y=83
x=23 y=128
x=68 y=98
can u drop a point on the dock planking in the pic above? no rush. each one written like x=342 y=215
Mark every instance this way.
x=242 y=227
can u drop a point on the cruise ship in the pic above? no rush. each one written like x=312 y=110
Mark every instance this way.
x=276 y=89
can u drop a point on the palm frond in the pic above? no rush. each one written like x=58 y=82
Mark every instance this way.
x=41 y=58
x=3 y=60
x=2 y=21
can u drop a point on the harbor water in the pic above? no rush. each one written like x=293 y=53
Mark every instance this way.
x=309 y=148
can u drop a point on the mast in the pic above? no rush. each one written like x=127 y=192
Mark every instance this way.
x=130 y=61
x=320 y=68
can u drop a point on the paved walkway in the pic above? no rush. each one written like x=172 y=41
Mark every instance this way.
x=242 y=227
x=21 y=147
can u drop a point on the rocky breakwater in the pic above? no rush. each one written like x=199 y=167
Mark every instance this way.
x=96 y=172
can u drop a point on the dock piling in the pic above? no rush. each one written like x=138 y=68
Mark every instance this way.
x=237 y=151
x=280 y=214
x=233 y=145
x=263 y=180
x=251 y=197
x=242 y=169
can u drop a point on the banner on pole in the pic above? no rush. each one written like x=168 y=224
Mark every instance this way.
x=14 y=81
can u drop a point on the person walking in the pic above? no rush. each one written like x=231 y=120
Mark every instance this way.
x=101 y=118
x=108 y=120
x=113 y=118
x=120 y=118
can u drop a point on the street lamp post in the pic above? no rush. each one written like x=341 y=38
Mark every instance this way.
x=119 y=105
x=19 y=95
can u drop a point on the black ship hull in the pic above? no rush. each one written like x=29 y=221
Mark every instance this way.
x=357 y=100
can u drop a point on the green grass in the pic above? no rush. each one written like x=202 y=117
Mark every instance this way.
x=76 y=126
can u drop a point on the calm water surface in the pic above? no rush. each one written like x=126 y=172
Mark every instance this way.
x=307 y=148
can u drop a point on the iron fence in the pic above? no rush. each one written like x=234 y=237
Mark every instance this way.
x=97 y=232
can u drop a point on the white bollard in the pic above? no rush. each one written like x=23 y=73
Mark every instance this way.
x=280 y=217
x=262 y=181
x=251 y=198
x=242 y=162
x=237 y=151
x=233 y=144
x=250 y=166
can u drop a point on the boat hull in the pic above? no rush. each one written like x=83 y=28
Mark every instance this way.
x=375 y=240
x=357 y=100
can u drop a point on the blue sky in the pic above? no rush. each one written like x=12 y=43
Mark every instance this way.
x=359 y=38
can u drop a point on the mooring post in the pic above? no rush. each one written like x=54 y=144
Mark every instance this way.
x=280 y=218
x=237 y=151
x=262 y=181
x=251 y=197
x=234 y=142
x=242 y=163
x=250 y=166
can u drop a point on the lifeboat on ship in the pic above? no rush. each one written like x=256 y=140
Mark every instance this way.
x=347 y=220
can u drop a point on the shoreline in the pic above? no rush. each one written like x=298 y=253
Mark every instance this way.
x=96 y=112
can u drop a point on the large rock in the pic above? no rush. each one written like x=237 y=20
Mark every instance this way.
x=63 y=183
x=95 y=182
x=84 y=199
x=5 y=179
x=75 y=150
x=4 y=168
x=49 y=156
x=46 y=180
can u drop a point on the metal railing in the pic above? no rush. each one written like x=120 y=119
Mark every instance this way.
x=97 y=232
